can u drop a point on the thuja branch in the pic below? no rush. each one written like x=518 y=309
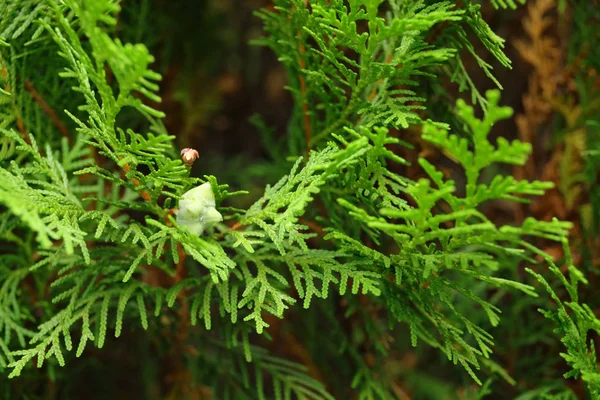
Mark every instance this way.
x=8 y=89
x=144 y=193
x=343 y=118
x=48 y=110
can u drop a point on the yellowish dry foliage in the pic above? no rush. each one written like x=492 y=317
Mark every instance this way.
x=550 y=91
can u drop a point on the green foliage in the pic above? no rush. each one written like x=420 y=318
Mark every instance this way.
x=372 y=82
x=434 y=247
x=574 y=321
x=507 y=4
x=90 y=247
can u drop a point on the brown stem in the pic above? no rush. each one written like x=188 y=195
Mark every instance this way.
x=48 y=110
x=145 y=195
x=184 y=312
x=402 y=395
x=314 y=226
x=293 y=347
x=181 y=379
x=236 y=226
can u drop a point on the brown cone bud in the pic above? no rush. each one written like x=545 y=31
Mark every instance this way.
x=188 y=156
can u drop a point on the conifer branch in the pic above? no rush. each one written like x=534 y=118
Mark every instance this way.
x=48 y=110
x=145 y=195
x=343 y=246
x=8 y=89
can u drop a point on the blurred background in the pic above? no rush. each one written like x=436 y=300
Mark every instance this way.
x=215 y=81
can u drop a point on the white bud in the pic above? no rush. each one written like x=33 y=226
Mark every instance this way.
x=197 y=209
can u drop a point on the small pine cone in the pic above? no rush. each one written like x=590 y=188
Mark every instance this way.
x=188 y=156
